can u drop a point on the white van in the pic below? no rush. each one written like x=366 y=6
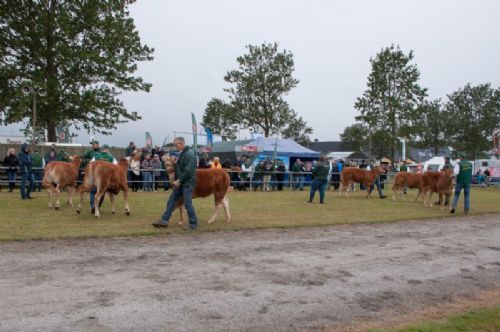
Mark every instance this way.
x=436 y=164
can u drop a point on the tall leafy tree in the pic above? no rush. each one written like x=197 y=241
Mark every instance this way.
x=220 y=117
x=356 y=134
x=473 y=114
x=85 y=54
x=297 y=129
x=390 y=102
x=257 y=93
x=431 y=126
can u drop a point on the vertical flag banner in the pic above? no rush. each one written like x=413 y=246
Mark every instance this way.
x=275 y=153
x=149 y=139
x=210 y=138
x=195 y=134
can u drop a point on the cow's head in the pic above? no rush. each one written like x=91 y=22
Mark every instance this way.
x=169 y=162
x=448 y=173
x=76 y=160
x=124 y=162
x=377 y=170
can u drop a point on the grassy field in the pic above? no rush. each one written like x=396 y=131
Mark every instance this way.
x=473 y=321
x=31 y=219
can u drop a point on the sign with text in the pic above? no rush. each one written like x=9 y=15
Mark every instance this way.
x=248 y=148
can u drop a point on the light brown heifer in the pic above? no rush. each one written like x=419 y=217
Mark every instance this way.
x=106 y=178
x=437 y=182
x=60 y=175
x=408 y=180
x=349 y=175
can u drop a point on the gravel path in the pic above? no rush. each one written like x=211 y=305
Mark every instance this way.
x=296 y=279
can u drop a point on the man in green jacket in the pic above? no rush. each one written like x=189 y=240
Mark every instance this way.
x=320 y=180
x=89 y=155
x=464 y=179
x=185 y=174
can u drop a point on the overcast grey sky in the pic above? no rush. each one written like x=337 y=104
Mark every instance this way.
x=197 y=41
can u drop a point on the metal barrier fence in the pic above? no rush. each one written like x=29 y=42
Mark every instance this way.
x=250 y=180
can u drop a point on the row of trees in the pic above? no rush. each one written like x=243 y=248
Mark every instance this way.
x=85 y=54
x=395 y=106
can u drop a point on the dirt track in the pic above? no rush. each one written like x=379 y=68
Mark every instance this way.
x=253 y=280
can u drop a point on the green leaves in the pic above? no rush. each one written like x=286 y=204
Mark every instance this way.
x=356 y=134
x=472 y=115
x=431 y=125
x=263 y=78
x=392 y=97
x=84 y=53
x=221 y=119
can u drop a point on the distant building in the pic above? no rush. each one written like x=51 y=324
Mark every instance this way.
x=12 y=139
x=331 y=146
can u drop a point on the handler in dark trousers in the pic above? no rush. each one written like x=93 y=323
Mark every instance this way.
x=370 y=167
x=185 y=173
x=464 y=179
x=26 y=167
x=320 y=180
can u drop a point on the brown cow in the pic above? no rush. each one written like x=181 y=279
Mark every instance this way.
x=106 y=178
x=437 y=182
x=406 y=180
x=60 y=175
x=350 y=175
x=209 y=181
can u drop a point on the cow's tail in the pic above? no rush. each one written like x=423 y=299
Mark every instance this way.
x=88 y=179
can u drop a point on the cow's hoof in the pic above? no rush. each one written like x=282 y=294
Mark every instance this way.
x=127 y=213
x=113 y=212
x=56 y=208
x=78 y=211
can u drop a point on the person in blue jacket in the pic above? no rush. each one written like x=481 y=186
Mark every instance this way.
x=26 y=170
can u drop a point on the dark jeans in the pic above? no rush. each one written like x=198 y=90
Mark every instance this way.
x=92 y=197
x=458 y=189
x=318 y=185
x=379 y=188
x=27 y=176
x=38 y=175
x=186 y=193
x=136 y=182
x=11 y=174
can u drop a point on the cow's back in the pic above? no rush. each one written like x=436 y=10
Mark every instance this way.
x=211 y=181
x=62 y=173
x=351 y=174
x=410 y=180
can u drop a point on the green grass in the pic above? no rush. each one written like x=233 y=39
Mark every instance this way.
x=31 y=219
x=472 y=321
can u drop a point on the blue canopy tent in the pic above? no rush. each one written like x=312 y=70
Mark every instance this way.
x=287 y=150
x=261 y=148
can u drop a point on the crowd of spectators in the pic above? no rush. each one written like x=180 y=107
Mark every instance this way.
x=147 y=172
